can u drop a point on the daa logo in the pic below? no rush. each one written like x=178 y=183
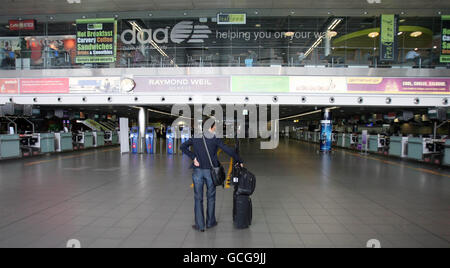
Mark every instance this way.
x=184 y=31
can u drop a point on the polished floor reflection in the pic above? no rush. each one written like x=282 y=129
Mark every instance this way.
x=303 y=199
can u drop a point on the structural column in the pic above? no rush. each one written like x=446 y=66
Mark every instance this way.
x=326 y=129
x=142 y=123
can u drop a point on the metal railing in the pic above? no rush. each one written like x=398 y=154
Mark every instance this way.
x=227 y=57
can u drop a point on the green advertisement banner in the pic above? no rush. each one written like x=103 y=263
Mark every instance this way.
x=231 y=18
x=388 y=37
x=260 y=84
x=96 y=40
x=445 y=48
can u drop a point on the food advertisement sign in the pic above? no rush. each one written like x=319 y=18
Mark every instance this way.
x=96 y=40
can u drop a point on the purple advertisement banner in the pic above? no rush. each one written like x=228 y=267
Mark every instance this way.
x=399 y=85
x=183 y=84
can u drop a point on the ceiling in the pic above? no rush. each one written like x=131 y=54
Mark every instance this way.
x=22 y=7
x=284 y=111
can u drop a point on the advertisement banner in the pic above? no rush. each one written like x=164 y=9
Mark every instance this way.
x=388 y=37
x=227 y=84
x=96 y=40
x=9 y=86
x=86 y=85
x=183 y=84
x=445 y=48
x=44 y=86
x=260 y=84
x=314 y=84
x=399 y=85
x=232 y=18
x=326 y=130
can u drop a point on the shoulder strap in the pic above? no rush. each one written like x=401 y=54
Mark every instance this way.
x=207 y=152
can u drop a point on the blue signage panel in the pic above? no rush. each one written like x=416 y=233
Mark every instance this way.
x=170 y=140
x=326 y=129
x=134 y=139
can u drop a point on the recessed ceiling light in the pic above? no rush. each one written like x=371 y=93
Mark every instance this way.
x=399 y=33
x=332 y=34
x=416 y=34
x=402 y=20
x=258 y=25
x=434 y=47
x=289 y=34
x=373 y=34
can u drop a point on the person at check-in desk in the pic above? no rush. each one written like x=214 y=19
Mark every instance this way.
x=202 y=174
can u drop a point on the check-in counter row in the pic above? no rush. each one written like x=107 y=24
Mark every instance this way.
x=420 y=149
x=15 y=146
x=414 y=148
x=308 y=136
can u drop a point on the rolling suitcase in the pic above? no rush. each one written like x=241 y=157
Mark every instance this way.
x=242 y=203
x=242 y=211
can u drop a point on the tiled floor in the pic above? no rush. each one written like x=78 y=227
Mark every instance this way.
x=303 y=199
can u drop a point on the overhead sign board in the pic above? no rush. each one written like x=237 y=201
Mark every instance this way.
x=22 y=25
x=234 y=84
x=96 y=40
x=232 y=18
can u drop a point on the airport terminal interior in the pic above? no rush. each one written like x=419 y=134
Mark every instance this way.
x=97 y=97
